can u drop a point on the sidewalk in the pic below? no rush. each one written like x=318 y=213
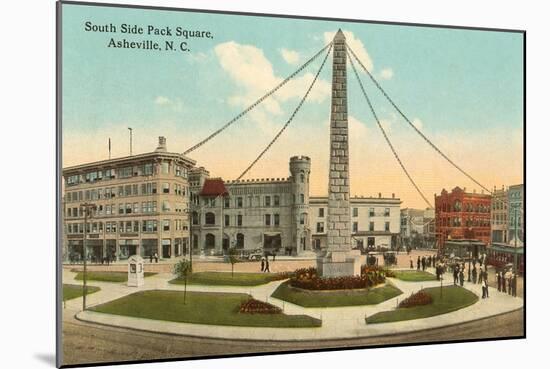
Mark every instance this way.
x=340 y=322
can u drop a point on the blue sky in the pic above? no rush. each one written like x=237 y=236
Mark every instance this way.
x=463 y=88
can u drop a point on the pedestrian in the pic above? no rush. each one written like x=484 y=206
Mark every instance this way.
x=510 y=278
x=418 y=263
x=262 y=265
x=499 y=282
x=156 y=257
x=514 y=284
x=461 y=277
x=474 y=275
x=266 y=270
x=423 y=263
x=455 y=275
x=485 y=289
x=411 y=262
x=504 y=279
x=151 y=258
x=480 y=274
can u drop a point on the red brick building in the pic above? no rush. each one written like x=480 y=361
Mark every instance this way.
x=462 y=215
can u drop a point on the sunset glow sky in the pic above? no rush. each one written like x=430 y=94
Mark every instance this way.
x=462 y=88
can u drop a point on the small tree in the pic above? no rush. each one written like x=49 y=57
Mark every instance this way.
x=182 y=269
x=233 y=253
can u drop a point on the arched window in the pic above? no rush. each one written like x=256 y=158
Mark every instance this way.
x=303 y=218
x=195 y=217
x=210 y=219
x=240 y=241
x=209 y=241
x=302 y=177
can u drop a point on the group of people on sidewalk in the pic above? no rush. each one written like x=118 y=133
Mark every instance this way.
x=507 y=282
x=424 y=262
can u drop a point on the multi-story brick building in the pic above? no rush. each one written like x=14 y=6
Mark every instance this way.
x=140 y=206
x=499 y=216
x=462 y=215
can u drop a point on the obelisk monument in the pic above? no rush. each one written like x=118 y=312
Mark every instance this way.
x=339 y=259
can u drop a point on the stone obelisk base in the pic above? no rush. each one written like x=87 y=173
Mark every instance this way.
x=340 y=263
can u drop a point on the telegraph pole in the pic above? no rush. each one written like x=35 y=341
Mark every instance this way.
x=87 y=208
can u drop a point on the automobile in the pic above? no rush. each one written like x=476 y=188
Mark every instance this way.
x=257 y=254
x=390 y=258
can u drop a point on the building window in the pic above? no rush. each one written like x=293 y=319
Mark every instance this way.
x=210 y=219
x=276 y=220
x=302 y=177
x=166 y=206
x=320 y=227
x=239 y=220
x=387 y=212
x=195 y=217
x=226 y=202
x=371 y=226
x=239 y=202
x=371 y=212
x=268 y=201
x=165 y=168
x=355 y=227
x=387 y=226
x=355 y=212
x=226 y=220
x=302 y=198
x=303 y=218
x=166 y=187
x=166 y=225
x=240 y=241
x=276 y=200
x=321 y=212
x=267 y=219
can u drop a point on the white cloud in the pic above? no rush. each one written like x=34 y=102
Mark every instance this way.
x=290 y=56
x=386 y=73
x=174 y=104
x=417 y=123
x=162 y=100
x=249 y=69
x=357 y=46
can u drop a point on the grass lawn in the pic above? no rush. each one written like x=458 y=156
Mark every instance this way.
x=72 y=291
x=201 y=308
x=454 y=298
x=108 y=276
x=335 y=298
x=225 y=279
x=413 y=275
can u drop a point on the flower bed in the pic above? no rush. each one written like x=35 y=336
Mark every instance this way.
x=307 y=278
x=416 y=299
x=252 y=306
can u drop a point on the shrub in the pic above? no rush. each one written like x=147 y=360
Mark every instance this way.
x=252 y=306
x=416 y=299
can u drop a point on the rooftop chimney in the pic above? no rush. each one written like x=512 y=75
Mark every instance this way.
x=162 y=144
x=393 y=195
x=379 y=195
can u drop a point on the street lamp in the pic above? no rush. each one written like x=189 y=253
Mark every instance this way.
x=87 y=210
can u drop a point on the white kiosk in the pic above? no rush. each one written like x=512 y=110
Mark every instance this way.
x=135 y=271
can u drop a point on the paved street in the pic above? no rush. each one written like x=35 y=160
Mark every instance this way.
x=85 y=342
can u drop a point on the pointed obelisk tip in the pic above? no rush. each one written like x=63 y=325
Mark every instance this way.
x=339 y=35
